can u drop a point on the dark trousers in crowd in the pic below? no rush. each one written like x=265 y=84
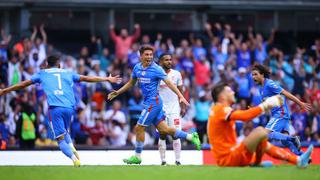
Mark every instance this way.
x=27 y=144
x=201 y=129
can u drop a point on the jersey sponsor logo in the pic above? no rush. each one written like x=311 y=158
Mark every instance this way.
x=144 y=80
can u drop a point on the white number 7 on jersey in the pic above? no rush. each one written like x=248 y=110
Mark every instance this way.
x=59 y=80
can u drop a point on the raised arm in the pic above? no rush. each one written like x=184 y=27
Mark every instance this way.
x=43 y=34
x=272 y=35
x=176 y=90
x=34 y=33
x=124 y=88
x=137 y=32
x=112 y=79
x=15 y=87
x=245 y=115
x=112 y=32
x=302 y=105
x=249 y=114
x=208 y=28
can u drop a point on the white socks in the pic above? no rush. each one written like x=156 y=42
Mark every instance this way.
x=138 y=155
x=177 y=149
x=162 y=149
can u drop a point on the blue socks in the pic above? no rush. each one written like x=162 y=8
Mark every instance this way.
x=286 y=140
x=139 y=147
x=292 y=147
x=67 y=138
x=65 y=148
x=180 y=134
x=279 y=136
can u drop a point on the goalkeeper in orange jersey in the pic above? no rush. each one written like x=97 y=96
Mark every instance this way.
x=222 y=135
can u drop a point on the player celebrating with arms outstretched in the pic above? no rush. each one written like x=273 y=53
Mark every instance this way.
x=149 y=74
x=57 y=84
x=278 y=125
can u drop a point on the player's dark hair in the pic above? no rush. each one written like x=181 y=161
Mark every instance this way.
x=52 y=61
x=164 y=54
x=262 y=70
x=217 y=89
x=145 y=48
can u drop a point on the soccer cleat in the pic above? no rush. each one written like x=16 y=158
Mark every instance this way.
x=132 y=160
x=196 y=141
x=178 y=163
x=163 y=163
x=76 y=163
x=303 y=160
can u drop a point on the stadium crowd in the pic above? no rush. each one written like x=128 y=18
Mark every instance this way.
x=217 y=54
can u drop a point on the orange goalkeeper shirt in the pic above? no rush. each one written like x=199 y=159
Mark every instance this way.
x=221 y=127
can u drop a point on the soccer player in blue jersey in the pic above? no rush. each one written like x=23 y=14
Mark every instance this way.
x=149 y=74
x=57 y=84
x=278 y=125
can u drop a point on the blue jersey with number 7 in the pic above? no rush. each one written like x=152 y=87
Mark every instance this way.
x=58 y=86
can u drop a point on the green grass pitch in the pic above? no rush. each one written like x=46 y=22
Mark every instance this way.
x=157 y=172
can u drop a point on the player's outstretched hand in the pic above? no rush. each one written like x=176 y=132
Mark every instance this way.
x=115 y=79
x=112 y=95
x=184 y=101
x=1 y=92
x=272 y=102
x=306 y=106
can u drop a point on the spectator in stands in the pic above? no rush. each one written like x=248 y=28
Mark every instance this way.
x=133 y=56
x=243 y=85
x=14 y=70
x=202 y=109
x=124 y=42
x=115 y=114
x=27 y=126
x=38 y=51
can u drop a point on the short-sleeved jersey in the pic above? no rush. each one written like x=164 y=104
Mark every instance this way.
x=170 y=100
x=149 y=79
x=270 y=88
x=58 y=86
x=221 y=132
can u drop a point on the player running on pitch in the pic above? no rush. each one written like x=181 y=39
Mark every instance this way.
x=149 y=74
x=57 y=84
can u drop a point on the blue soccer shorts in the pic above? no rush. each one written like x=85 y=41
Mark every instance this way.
x=59 y=120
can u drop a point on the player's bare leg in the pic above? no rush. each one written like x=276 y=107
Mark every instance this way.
x=140 y=136
x=163 y=128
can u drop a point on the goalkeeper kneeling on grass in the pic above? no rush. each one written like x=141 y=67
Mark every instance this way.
x=222 y=135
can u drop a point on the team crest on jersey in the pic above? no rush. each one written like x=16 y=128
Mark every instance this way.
x=143 y=73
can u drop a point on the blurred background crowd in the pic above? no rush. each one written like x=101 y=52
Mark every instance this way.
x=215 y=53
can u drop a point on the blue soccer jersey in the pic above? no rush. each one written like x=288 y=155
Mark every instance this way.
x=269 y=89
x=149 y=79
x=58 y=86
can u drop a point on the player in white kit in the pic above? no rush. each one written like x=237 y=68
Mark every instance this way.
x=171 y=106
